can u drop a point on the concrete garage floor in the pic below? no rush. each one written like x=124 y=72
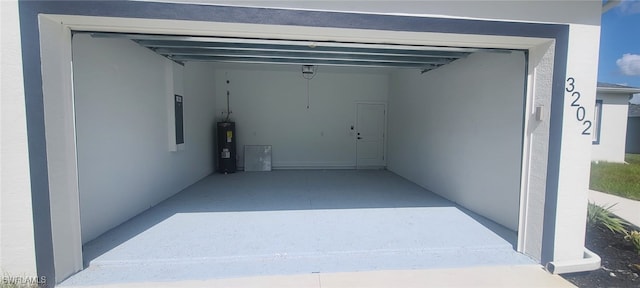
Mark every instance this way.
x=295 y=222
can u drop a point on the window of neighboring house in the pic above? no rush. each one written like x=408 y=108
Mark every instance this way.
x=597 y=123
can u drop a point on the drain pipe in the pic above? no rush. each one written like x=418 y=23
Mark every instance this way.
x=589 y=262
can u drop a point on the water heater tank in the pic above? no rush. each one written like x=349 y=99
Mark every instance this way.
x=226 y=136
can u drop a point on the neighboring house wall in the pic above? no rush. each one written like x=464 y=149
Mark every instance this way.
x=121 y=102
x=633 y=135
x=472 y=156
x=613 y=128
x=269 y=105
x=17 y=247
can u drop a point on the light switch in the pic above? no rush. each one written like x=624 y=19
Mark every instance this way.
x=539 y=113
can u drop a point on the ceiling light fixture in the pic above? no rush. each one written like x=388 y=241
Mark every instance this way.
x=308 y=72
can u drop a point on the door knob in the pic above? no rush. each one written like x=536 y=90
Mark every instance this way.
x=359 y=138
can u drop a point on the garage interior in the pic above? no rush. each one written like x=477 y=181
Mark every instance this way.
x=441 y=187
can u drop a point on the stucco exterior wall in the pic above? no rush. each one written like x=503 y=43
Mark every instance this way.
x=613 y=130
x=571 y=207
x=563 y=11
x=17 y=250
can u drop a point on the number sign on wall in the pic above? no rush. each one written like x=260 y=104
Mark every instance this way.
x=581 y=112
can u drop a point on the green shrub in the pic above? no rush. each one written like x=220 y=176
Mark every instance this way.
x=602 y=216
x=634 y=237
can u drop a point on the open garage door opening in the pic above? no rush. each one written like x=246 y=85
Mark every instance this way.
x=444 y=124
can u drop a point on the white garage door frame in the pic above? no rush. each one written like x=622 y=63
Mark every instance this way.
x=59 y=248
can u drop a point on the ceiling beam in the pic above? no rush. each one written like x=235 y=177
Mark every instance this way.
x=302 y=52
x=299 y=55
x=301 y=61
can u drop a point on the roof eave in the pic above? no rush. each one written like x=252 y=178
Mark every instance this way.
x=619 y=90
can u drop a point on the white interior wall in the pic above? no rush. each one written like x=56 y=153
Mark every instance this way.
x=457 y=131
x=613 y=130
x=174 y=81
x=121 y=105
x=269 y=105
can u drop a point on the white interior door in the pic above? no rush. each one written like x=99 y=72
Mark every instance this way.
x=370 y=124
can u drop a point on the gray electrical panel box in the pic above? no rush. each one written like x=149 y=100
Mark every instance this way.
x=179 y=119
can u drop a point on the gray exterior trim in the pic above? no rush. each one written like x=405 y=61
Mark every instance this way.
x=29 y=11
x=634 y=110
x=616 y=88
x=555 y=142
x=628 y=91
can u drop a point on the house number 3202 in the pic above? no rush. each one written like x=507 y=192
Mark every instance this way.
x=581 y=112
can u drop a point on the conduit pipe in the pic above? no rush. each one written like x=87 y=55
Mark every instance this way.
x=589 y=262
